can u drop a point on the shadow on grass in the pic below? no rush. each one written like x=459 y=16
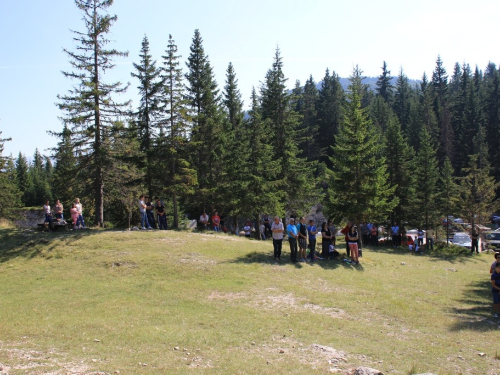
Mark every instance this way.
x=452 y=255
x=261 y=258
x=477 y=316
x=28 y=244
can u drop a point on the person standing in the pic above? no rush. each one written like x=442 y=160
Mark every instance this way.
x=204 y=221
x=333 y=231
x=495 y=289
x=345 y=231
x=216 y=221
x=312 y=232
x=302 y=232
x=395 y=235
x=352 y=239
x=48 y=214
x=475 y=241
x=79 y=208
x=58 y=211
x=493 y=265
x=150 y=212
x=160 y=213
x=326 y=240
x=144 y=215
x=292 y=239
x=430 y=239
x=74 y=215
x=420 y=235
x=277 y=231
x=374 y=235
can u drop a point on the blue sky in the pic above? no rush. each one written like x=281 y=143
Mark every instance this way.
x=312 y=36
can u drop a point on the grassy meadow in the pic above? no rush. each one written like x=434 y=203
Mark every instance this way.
x=169 y=302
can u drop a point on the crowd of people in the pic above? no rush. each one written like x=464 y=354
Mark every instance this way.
x=56 y=215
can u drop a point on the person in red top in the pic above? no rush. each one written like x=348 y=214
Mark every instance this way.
x=345 y=231
x=216 y=221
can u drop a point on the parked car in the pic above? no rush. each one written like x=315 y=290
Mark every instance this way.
x=458 y=220
x=462 y=239
x=492 y=239
x=495 y=219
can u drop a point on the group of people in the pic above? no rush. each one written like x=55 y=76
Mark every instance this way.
x=57 y=214
x=301 y=237
x=147 y=210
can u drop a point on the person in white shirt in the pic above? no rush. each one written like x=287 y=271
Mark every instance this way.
x=277 y=230
x=203 y=221
x=80 y=213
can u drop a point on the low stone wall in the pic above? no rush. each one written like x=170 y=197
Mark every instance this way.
x=29 y=218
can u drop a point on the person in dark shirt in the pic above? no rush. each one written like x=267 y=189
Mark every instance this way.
x=160 y=212
x=149 y=212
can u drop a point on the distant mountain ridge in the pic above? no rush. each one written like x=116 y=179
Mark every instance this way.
x=370 y=81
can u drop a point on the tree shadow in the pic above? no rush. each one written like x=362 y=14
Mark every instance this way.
x=477 y=316
x=29 y=244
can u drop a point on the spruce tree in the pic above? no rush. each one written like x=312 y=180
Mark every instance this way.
x=492 y=115
x=147 y=113
x=207 y=129
x=66 y=171
x=425 y=210
x=295 y=174
x=402 y=100
x=180 y=177
x=384 y=85
x=9 y=193
x=310 y=149
x=449 y=194
x=23 y=178
x=89 y=107
x=477 y=191
x=359 y=188
x=399 y=156
x=329 y=107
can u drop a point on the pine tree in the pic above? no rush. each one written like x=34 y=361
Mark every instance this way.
x=207 y=131
x=89 y=106
x=399 y=156
x=24 y=182
x=426 y=116
x=359 y=188
x=9 y=193
x=402 y=100
x=425 y=210
x=66 y=173
x=181 y=177
x=449 y=194
x=442 y=111
x=329 y=107
x=310 y=149
x=147 y=114
x=41 y=190
x=295 y=174
x=384 y=85
x=477 y=191
x=492 y=115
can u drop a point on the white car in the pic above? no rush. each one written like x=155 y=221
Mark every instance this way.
x=462 y=239
x=458 y=220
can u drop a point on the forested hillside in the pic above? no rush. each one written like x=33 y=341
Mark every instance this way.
x=401 y=149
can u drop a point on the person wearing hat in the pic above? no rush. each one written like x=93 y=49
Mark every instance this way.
x=292 y=239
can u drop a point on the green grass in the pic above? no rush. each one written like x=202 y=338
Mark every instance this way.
x=123 y=301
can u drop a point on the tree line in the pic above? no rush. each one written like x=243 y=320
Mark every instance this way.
x=396 y=152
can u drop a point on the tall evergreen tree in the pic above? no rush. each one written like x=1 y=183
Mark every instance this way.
x=23 y=178
x=89 y=106
x=329 y=107
x=425 y=209
x=492 y=115
x=295 y=174
x=207 y=131
x=41 y=190
x=9 y=193
x=477 y=191
x=181 y=175
x=384 y=85
x=147 y=114
x=359 y=186
x=399 y=156
x=402 y=100
x=310 y=149
x=449 y=194
x=66 y=173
